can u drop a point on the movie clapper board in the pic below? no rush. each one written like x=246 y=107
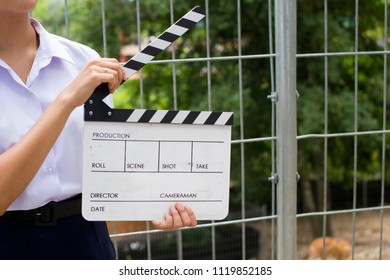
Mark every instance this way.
x=139 y=162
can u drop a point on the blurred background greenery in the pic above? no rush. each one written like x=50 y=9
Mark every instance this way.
x=349 y=79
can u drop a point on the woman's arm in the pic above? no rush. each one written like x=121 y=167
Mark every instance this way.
x=36 y=144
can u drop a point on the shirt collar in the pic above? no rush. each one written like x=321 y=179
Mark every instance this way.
x=48 y=46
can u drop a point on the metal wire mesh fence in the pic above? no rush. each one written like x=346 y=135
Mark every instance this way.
x=306 y=111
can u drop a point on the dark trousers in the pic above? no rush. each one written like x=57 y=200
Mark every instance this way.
x=72 y=238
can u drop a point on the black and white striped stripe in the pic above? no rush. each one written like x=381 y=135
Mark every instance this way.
x=175 y=117
x=163 y=41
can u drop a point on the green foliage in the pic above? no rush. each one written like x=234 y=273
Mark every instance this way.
x=355 y=99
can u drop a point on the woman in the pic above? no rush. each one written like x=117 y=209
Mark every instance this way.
x=44 y=81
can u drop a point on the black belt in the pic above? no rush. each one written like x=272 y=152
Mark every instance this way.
x=48 y=214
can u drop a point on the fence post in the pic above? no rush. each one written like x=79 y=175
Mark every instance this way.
x=286 y=127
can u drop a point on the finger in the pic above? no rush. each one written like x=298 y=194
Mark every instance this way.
x=114 y=64
x=110 y=63
x=111 y=77
x=112 y=74
x=168 y=222
x=123 y=72
x=157 y=223
x=185 y=217
x=177 y=220
x=192 y=216
x=165 y=224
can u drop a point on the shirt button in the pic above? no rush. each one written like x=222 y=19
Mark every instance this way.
x=29 y=93
x=49 y=169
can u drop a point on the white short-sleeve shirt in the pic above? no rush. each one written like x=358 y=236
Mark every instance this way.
x=57 y=62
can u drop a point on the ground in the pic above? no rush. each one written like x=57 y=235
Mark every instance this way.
x=367 y=234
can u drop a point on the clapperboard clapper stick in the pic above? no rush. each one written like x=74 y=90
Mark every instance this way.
x=138 y=162
x=96 y=110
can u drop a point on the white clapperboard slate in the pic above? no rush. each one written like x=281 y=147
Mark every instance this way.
x=139 y=162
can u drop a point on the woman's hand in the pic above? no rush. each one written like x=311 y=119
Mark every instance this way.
x=96 y=72
x=178 y=216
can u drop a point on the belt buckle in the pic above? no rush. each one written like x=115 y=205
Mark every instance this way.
x=46 y=216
